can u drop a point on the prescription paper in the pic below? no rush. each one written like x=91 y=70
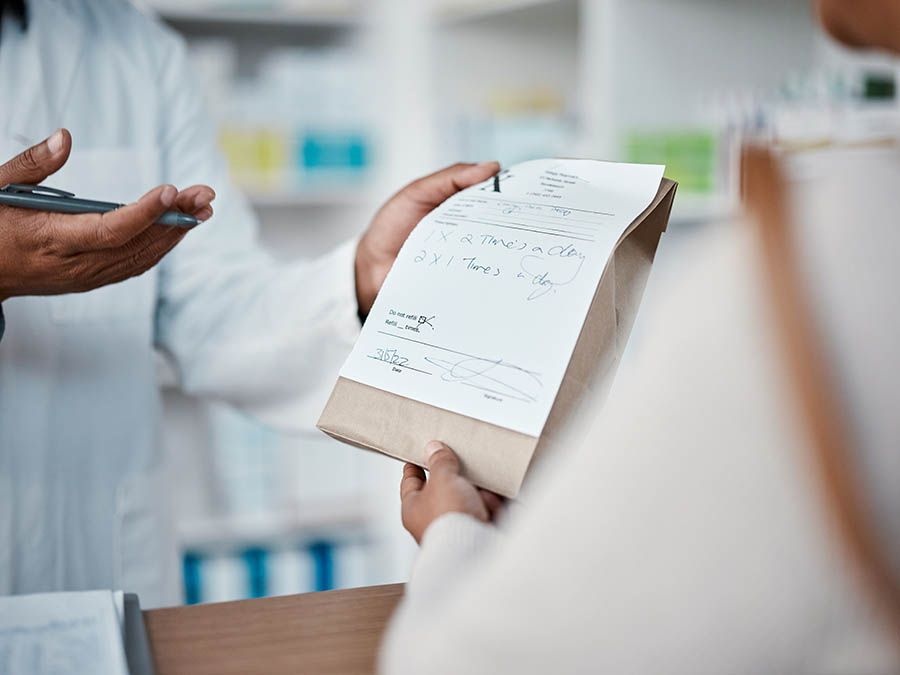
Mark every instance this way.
x=483 y=307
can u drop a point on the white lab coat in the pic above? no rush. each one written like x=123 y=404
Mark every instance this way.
x=83 y=497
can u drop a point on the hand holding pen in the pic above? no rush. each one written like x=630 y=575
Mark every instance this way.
x=50 y=253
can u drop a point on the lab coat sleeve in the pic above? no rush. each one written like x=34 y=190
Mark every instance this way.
x=240 y=327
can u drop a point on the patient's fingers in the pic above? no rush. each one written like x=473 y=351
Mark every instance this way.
x=493 y=502
x=441 y=460
x=413 y=480
x=424 y=500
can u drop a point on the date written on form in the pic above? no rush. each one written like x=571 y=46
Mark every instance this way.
x=412 y=322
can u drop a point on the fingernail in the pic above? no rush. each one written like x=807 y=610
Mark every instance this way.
x=55 y=142
x=167 y=196
x=493 y=164
x=433 y=447
x=204 y=199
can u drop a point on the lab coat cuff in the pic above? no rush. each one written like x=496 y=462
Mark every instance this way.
x=344 y=284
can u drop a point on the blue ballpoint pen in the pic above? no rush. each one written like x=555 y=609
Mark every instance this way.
x=41 y=198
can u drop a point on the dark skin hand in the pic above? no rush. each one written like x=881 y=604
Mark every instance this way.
x=425 y=499
x=390 y=227
x=53 y=253
x=48 y=253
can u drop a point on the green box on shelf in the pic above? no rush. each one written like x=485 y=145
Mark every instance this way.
x=691 y=157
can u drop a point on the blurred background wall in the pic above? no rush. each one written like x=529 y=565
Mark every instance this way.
x=324 y=107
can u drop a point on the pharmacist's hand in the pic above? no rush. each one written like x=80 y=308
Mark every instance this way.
x=424 y=500
x=395 y=220
x=196 y=201
x=52 y=253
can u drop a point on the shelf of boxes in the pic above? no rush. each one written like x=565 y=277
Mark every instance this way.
x=315 y=547
x=283 y=81
x=306 y=522
x=578 y=75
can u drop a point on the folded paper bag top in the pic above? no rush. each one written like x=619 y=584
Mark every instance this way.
x=518 y=256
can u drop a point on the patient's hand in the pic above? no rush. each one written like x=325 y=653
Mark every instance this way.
x=424 y=500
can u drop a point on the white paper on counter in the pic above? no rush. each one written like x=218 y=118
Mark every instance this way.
x=77 y=632
x=482 y=309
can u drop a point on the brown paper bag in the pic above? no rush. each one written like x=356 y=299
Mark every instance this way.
x=493 y=457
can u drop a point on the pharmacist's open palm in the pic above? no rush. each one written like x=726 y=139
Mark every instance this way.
x=395 y=220
x=45 y=253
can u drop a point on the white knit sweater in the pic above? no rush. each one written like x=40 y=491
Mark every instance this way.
x=684 y=531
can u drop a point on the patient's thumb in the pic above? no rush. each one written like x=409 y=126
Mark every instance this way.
x=439 y=459
x=39 y=161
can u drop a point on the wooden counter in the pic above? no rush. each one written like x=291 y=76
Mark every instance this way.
x=316 y=633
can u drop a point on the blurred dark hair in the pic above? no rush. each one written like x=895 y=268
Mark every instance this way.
x=16 y=8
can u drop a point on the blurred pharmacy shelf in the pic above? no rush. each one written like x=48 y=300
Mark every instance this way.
x=338 y=520
x=296 y=199
x=693 y=209
x=334 y=13
x=257 y=572
x=256 y=18
x=678 y=82
x=286 y=83
x=452 y=11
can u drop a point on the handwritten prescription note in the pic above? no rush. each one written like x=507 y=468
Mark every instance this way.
x=482 y=309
